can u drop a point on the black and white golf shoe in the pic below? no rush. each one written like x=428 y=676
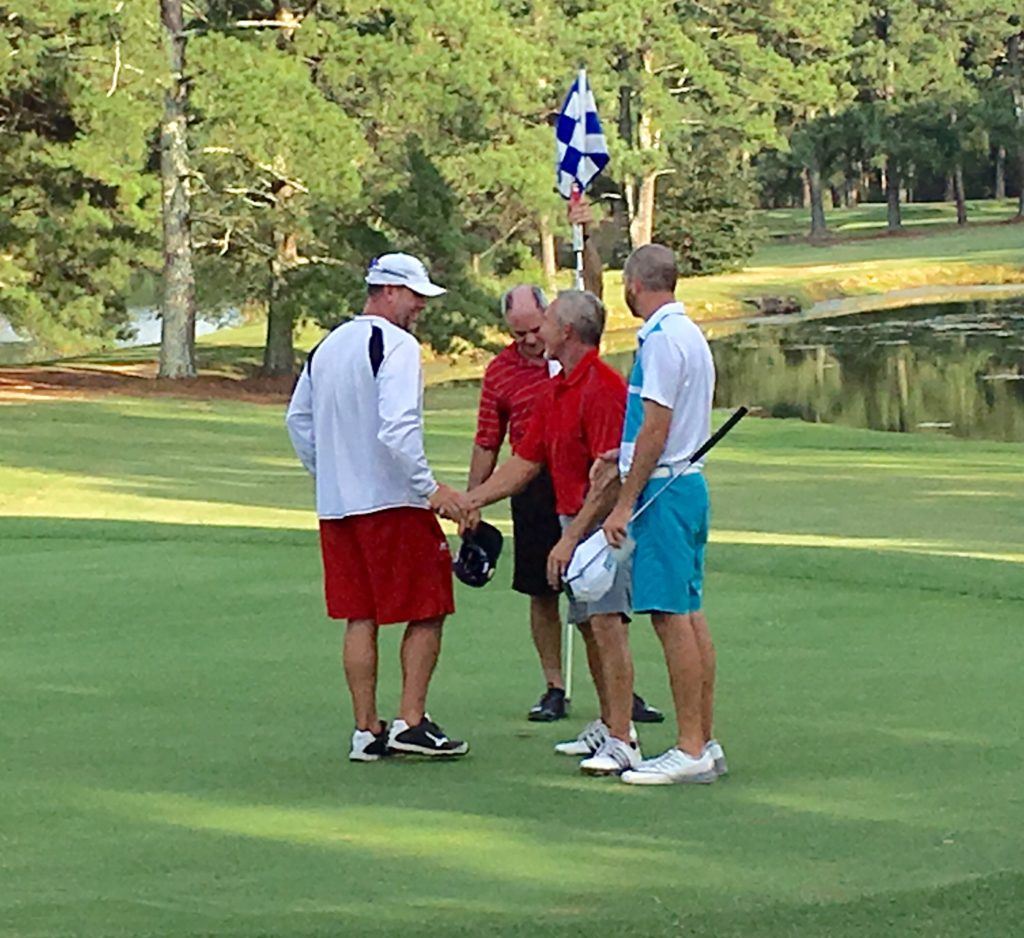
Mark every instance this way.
x=367 y=746
x=424 y=739
x=643 y=712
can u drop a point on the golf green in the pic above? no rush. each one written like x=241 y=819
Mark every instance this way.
x=175 y=724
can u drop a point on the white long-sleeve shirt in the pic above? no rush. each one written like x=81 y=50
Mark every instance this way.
x=360 y=434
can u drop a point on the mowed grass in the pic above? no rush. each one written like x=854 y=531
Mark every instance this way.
x=870 y=218
x=175 y=722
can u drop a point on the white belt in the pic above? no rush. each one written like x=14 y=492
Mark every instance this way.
x=670 y=472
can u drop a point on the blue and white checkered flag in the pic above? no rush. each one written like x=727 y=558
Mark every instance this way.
x=582 y=148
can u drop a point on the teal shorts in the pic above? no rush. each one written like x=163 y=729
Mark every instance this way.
x=671 y=535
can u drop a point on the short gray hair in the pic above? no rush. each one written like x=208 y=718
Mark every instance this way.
x=584 y=312
x=653 y=266
x=538 y=296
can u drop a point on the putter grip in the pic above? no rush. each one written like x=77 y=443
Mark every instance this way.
x=734 y=419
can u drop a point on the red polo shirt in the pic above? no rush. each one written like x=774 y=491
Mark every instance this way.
x=510 y=387
x=575 y=419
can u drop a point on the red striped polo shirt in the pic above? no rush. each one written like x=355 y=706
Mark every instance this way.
x=510 y=387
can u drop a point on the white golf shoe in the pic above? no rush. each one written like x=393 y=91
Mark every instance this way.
x=587 y=743
x=590 y=739
x=674 y=767
x=613 y=758
x=714 y=749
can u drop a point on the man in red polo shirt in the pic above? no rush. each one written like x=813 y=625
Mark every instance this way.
x=511 y=384
x=578 y=415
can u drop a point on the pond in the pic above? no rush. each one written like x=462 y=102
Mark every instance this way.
x=955 y=368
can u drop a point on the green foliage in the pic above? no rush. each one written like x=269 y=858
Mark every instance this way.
x=706 y=216
x=79 y=213
x=356 y=128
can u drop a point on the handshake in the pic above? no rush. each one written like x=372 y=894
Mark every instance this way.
x=455 y=506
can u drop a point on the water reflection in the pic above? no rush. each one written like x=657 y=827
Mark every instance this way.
x=953 y=368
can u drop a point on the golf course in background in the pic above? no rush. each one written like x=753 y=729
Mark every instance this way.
x=175 y=724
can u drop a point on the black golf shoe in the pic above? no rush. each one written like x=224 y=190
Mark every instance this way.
x=550 y=707
x=367 y=746
x=643 y=712
x=426 y=738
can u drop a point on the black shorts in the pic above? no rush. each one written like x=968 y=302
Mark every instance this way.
x=536 y=530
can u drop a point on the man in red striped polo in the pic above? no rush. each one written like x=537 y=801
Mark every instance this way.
x=510 y=387
x=508 y=393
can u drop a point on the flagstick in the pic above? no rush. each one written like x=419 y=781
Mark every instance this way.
x=577 y=194
x=577 y=245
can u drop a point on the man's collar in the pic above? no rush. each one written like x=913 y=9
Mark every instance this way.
x=669 y=309
x=582 y=367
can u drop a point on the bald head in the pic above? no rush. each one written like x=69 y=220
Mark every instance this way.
x=523 y=307
x=652 y=267
x=524 y=297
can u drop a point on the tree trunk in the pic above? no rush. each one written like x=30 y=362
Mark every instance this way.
x=279 y=352
x=805 y=189
x=819 y=227
x=1000 y=192
x=178 y=306
x=958 y=191
x=1013 y=55
x=547 y=253
x=836 y=195
x=641 y=226
x=1020 y=183
x=892 y=197
x=950 y=194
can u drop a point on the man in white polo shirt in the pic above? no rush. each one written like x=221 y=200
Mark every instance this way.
x=356 y=422
x=668 y=417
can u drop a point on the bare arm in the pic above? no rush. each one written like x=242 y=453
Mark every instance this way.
x=510 y=477
x=481 y=465
x=580 y=213
x=650 y=444
x=593 y=279
x=601 y=498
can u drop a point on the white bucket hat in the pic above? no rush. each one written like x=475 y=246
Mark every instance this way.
x=401 y=270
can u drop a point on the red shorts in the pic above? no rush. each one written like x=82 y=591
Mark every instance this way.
x=390 y=566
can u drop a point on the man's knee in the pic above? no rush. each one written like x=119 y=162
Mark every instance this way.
x=426 y=625
x=668 y=623
x=608 y=626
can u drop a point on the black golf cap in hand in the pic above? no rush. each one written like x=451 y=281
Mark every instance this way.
x=478 y=556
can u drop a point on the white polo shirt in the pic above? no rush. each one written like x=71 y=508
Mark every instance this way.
x=361 y=434
x=673 y=368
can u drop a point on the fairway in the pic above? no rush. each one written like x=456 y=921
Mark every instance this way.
x=175 y=721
